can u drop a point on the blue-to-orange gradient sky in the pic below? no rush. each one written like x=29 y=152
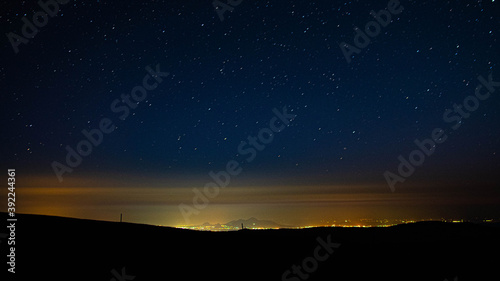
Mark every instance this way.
x=177 y=93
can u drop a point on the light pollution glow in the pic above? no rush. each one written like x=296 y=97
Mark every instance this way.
x=298 y=205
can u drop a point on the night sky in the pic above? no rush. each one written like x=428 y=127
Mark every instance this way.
x=214 y=81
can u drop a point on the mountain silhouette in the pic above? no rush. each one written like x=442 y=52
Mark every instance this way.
x=254 y=223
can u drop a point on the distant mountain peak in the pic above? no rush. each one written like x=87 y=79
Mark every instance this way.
x=254 y=223
x=236 y=224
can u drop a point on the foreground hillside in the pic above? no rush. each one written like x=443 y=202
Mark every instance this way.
x=55 y=248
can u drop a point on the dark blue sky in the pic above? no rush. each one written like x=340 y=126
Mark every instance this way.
x=352 y=121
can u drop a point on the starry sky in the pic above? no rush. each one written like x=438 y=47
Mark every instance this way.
x=220 y=76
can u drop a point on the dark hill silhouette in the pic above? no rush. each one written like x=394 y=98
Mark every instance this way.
x=57 y=248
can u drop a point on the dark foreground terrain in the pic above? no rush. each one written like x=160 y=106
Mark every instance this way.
x=55 y=248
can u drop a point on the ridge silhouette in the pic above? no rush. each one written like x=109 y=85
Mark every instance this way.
x=90 y=250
